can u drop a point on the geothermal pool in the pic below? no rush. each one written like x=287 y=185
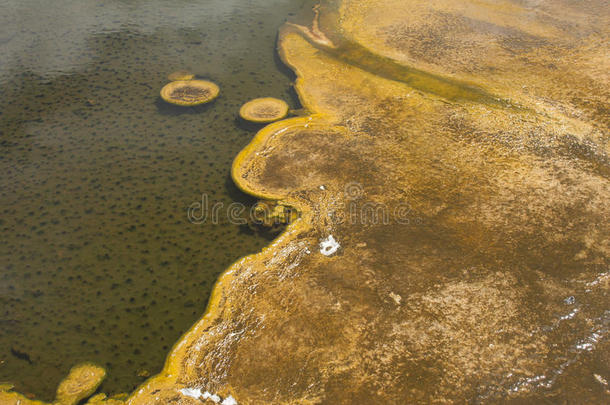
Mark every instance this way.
x=98 y=260
x=448 y=162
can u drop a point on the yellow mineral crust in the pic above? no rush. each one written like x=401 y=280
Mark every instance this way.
x=189 y=92
x=264 y=110
x=453 y=242
x=14 y=398
x=549 y=55
x=81 y=382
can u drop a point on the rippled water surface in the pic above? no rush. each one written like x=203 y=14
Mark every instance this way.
x=98 y=261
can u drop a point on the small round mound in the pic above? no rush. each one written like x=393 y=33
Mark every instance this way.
x=81 y=383
x=181 y=75
x=189 y=92
x=263 y=110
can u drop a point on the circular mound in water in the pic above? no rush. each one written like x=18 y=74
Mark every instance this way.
x=181 y=75
x=189 y=92
x=264 y=110
x=81 y=383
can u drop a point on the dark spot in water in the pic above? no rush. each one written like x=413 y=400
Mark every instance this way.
x=21 y=355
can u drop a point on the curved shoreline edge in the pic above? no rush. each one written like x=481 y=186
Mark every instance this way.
x=168 y=375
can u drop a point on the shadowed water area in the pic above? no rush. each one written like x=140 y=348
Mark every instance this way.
x=98 y=261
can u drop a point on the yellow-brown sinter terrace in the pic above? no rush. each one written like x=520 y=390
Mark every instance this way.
x=453 y=243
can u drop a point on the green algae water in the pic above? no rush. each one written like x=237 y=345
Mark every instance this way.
x=98 y=260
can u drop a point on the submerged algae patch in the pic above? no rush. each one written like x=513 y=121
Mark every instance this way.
x=181 y=75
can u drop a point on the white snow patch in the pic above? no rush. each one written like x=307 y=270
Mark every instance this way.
x=397 y=298
x=571 y=315
x=191 y=392
x=600 y=379
x=598 y=279
x=229 y=401
x=197 y=394
x=329 y=246
x=585 y=346
x=215 y=398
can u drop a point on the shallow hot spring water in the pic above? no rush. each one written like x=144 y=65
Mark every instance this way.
x=98 y=259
